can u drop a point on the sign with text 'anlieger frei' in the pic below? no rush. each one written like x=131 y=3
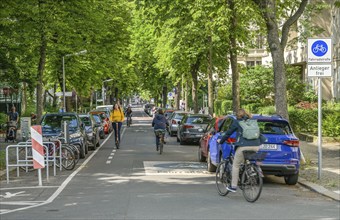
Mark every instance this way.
x=319 y=50
x=319 y=70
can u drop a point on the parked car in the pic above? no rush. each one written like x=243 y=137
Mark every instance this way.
x=203 y=148
x=173 y=120
x=105 y=119
x=52 y=126
x=282 y=147
x=168 y=112
x=191 y=128
x=91 y=130
x=100 y=124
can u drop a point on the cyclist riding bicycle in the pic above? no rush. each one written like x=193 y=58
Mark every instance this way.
x=242 y=144
x=128 y=113
x=117 y=118
x=159 y=123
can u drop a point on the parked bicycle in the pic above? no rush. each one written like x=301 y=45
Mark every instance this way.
x=250 y=181
x=68 y=160
x=160 y=133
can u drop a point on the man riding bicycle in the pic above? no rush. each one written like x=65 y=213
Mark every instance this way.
x=159 y=122
x=242 y=144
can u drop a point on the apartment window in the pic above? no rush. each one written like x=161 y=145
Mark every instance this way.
x=250 y=63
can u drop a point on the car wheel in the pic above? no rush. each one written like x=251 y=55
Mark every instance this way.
x=82 y=151
x=201 y=158
x=291 y=179
x=181 y=142
x=86 y=148
x=211 y=167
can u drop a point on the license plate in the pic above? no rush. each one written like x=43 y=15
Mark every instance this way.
x=199 y=135
x=268 y=147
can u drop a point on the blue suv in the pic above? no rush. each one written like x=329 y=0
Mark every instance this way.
x=282 y=147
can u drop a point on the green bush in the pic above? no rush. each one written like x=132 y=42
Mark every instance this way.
x=306 y=121
x=268 y=110
x=223 y=107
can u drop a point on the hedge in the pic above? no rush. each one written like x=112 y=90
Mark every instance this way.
x=301 y=120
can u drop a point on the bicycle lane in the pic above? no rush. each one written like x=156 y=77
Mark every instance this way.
x=24 y=193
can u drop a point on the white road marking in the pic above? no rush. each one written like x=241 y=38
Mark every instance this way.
x=10 y=195
x=108 y=161
x=110 y=157
x=64 y=184
x=28 y=187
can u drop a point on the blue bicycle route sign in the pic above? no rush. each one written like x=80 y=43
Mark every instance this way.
x=319 y=50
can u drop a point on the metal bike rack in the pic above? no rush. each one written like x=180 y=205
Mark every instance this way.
x=54 y=151
x=24 y=162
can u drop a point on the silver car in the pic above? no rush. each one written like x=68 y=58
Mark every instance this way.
x=191 y=127
x=173 y=120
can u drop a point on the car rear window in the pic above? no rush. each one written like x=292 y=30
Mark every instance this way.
x=86 y=121
x=198 y=120
x=274 y=127
x=55 y=121
x=179 y=116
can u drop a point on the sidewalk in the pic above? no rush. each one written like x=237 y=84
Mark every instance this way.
x=329 y=183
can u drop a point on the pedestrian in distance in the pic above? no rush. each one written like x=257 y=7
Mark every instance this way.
x=242 y=144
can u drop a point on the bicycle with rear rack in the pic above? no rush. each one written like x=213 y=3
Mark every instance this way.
x=160 y=133
x=250 y=175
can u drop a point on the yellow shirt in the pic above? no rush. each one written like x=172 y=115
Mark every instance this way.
x=117 y=116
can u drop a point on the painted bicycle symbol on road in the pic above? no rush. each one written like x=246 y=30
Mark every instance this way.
x=319 y=48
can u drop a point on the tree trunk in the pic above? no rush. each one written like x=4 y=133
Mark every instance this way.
x=277 y=47
x=233 y=58
x=194 y=71
x=186 y=106
x=41 y=68
x=24 y=98
x=210 y=80
x=164 y=93
x=178 y=95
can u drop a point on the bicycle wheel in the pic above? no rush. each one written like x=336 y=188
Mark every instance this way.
x=67 y=158
x=222 y=179
x=160 y=147
x=251 y=182
x=75 y=151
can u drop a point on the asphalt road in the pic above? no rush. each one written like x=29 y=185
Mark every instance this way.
x=135 y=182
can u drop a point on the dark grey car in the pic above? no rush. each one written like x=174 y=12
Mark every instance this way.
x=191 y=127
x=91 y=130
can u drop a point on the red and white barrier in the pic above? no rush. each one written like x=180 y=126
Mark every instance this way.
x=37 y=147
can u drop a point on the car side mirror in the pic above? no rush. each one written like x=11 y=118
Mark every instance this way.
x=179 y=122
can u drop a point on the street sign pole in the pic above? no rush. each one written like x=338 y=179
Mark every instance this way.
x=319 y=60
x=319 y=127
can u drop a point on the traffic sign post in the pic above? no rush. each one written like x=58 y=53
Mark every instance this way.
x=319 y=58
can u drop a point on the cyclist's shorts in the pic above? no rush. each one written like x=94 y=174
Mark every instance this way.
x=159 y=131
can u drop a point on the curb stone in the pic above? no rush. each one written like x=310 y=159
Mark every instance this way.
x=319 y=189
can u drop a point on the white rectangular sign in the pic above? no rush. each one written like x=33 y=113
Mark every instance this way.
x=319 y=70
x=61 y=94
x=319 y=50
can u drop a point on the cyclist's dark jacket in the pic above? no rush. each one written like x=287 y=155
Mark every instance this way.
x=159 y=122
x=235 y=126
x=128 y=112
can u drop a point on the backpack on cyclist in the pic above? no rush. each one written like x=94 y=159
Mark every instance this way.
x=250 y=128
